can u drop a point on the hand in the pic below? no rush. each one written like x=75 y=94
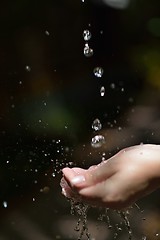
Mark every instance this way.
x=117 y=182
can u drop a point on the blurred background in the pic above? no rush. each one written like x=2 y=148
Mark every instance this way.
x=50 y=98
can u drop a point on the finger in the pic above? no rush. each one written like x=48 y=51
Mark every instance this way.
x=101 y=194
x=74 y=176
x=72 y=172
x=115 y=192
x=68 y=174
x=95 y=174
x=79 y=170
x=81 y=178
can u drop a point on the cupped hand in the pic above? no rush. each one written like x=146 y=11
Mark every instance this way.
x=117 y=182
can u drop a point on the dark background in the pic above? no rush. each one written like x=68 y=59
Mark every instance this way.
x=49 y=98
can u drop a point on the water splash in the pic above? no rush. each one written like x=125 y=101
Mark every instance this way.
x=80 y=210
x=106 y=216
x=123 y=215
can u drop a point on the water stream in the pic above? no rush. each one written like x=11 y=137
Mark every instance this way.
x=80 y=209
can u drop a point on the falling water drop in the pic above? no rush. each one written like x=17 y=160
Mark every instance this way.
x=98 y=72
x=102 y=91
x=96 y=125
x=97 y=141
x=87 y=35
x=88 y=52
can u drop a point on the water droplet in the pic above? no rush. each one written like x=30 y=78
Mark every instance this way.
x=102 y=91
x=97 y=141
x=47 y=33
x=5 y=204
x=119 y=128
x=144 y=238
x=122 y=89
x=66 y=149
x=88 y=52
x=96 y=125
x=98 y=72
x=28 y=68
x=112 y=85
x=87 y=35
x=53 y=174
x=46 y=189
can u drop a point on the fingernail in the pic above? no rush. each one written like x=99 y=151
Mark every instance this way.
x=78 y=179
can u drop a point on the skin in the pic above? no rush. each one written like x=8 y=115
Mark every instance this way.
x=117 y=182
